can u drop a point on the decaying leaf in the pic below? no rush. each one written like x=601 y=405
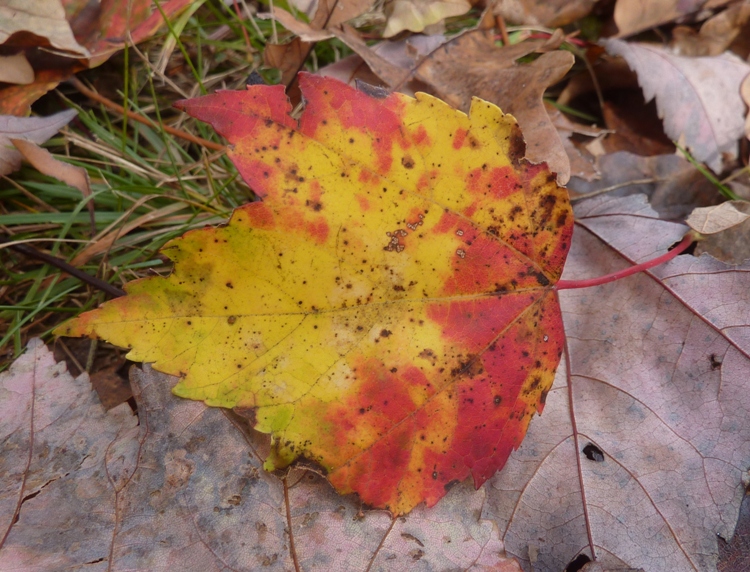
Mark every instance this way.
x=63 y=459
x=673 y=186
x=16 y=69
x=697 y=98
x=87 y=33
x=416 y=15
x=710 y=220
x=44 y=162
x=327 y=14
x=44 y=19
x=182 y=487
x=543 y=12
x=35 y=129
x=365 y=313
x=640 y=456
x=633 y=16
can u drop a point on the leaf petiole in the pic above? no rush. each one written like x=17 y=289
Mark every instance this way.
x=679 y=249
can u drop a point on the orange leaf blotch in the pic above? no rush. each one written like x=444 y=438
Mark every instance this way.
x=498 y=182
x=421 y=138
x=258 y=216
x=318 y=230
x=364 y=204
x=458 y=138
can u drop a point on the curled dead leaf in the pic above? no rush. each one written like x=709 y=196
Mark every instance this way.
x=710 y=220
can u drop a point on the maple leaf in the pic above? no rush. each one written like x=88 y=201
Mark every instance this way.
x=387 y=310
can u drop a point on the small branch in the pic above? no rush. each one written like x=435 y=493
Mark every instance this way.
x=31 y=252
x=78 y=84
x=679 y=249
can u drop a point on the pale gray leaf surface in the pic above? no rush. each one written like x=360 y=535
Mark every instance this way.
x=36 y=129
x=181 y=487
x=60 y=466
x=697 y=98
x=641 y=451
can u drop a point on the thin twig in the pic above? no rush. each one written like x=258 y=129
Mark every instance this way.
x=78 y=84
x=31 y=252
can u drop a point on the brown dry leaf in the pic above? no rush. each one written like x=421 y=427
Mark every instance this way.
x=35 y=129
x=111 y=388
x=710 y=220
x=553 y=14
x=697 y=98
x=393 y=62
x=673 y=185
x=349 y=70
x=731 y=245
x=287 y=58
x=633 y=16
x=181 y=487
x=23 y=21
x=44 y=162
x=715 y=35
x=471 y=65
x=328 y=14
x=416 y=15
x=16 y=69
x=582 y=163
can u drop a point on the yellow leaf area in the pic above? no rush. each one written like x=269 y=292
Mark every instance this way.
x=387 y=310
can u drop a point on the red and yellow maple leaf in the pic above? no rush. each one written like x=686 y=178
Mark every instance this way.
x=387 y=310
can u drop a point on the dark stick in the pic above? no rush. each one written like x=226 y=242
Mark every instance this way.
x=32 y=252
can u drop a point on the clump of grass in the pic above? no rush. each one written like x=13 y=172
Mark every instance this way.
x=148 y=185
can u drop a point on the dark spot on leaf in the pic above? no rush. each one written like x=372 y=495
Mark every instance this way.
x=593 y=453
x=385 y=333
x=470 y=367
x=497 y=400
x=230 y=285
x=407 y=162
x=231 y=319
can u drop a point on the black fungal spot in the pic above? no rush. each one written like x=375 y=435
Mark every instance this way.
x=541 y=278
x=407 y=162
x=434 y=475
x=449 y=486
x=229 y=285
x=716 y=362
x=497 y=400
x=593 y=453
x=385 y=333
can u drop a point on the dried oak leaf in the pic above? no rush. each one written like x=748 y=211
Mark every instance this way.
x=367 y=310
